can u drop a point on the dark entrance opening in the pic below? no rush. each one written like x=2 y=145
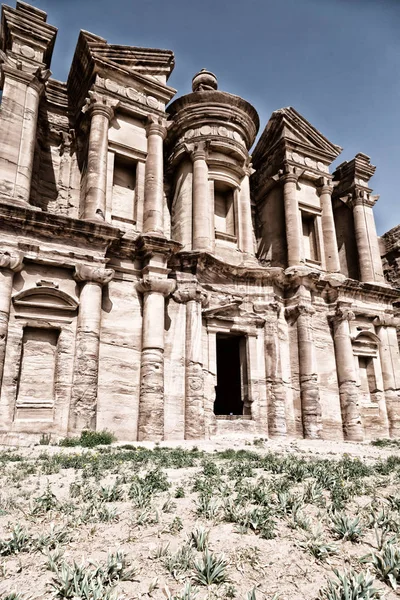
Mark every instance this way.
x=228 y=393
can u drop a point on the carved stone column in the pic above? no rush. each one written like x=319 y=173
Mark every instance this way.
x=328 y=228
x=390 y=364
x=292 y=220
x=369 y=255
x=151 y=401
x=195 y=298
x=309 y=389
x=10 y=263
x=86 y=367
x=246 y=243
x=153 y=220
x=101 y=111
x=273 y=370
x=202 y=205
x=348 y=390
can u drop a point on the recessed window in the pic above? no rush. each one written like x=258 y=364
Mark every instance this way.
x=224 y=213
x=310 y=238
x=367 y=377
x=123 y=191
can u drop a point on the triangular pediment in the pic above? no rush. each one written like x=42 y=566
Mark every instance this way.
x=148 y=67
x=289 y=128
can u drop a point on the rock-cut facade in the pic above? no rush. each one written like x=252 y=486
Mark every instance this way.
x=159 y=281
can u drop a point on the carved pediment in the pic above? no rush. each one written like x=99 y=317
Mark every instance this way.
x=45 y=297
x=286 y=126
x=230 y=310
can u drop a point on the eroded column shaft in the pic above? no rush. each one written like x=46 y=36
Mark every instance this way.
x=151 y=402
x=194 y=384
x=309 y=389
x=347 y=378
x=86 y=366
x=28 y=141
x=96 y=178
x=292 y=219
x=329 y=231
x=370 y=261
x=389 y=355
x=10 y=263
x=276 y=406
x=201 y=202
x=246 y=243
x=153 y=220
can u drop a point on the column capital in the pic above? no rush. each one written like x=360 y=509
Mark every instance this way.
x=93 y=273
x=197 y=151
x=362 y=197
x=191 y=292
x=302 y=309
x=386 y=320
x=270 y=308
x=343 y=312
x=158 y=286
x=248 y=167
x=157 y=125
x=100 y=104
x=11 y=260
x=36 y=80
x=325 y=186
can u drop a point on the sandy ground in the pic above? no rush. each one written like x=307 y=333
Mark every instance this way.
x=270 y=566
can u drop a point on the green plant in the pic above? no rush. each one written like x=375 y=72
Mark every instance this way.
x=89 y=439
x=180 y=561
x=20 y=541
x=318 y=547
x=45 y=439
x=188 y=593
x=199 y=538
x=54 y=558
x=350 y=586
x=180 y=492
x=210 y=569
x=346 y=528
x=386 y=564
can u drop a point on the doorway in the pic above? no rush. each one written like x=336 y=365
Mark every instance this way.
x=228 y=392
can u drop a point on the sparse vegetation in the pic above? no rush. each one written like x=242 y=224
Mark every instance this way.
x=246 y=524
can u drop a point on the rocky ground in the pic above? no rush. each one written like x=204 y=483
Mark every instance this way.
x=256 y=519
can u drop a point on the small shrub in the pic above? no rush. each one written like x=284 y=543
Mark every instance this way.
x=386 y=564
x=89 y=439
x=211 y=569
x=350 y=586
x=199 y=538
x=346 y=528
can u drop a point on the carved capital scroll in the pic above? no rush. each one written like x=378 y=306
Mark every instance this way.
x=95 y=274
x=11 y=260
x=191 y=292
x=100 y=104
x=158 y=286
x=157 y=125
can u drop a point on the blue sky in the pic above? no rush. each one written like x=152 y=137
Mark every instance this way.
x=336 y=61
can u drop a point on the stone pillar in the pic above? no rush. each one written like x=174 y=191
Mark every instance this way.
x=346 y=372
x=195 y=298
x=292 y=219
x=10 y=263
x=309 y=390
x=101 y=111
x=202 y=204
x=86 y=367
x=153 y=220
x=151 y=401
x=273 y=371
x=369 y=255
x=328 y=229
x=246 y=242
x=390 y=364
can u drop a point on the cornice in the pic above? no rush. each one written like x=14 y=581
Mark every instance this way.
x=23 y=220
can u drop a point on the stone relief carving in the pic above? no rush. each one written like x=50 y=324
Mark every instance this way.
x=96 y=274
x=130 y=93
